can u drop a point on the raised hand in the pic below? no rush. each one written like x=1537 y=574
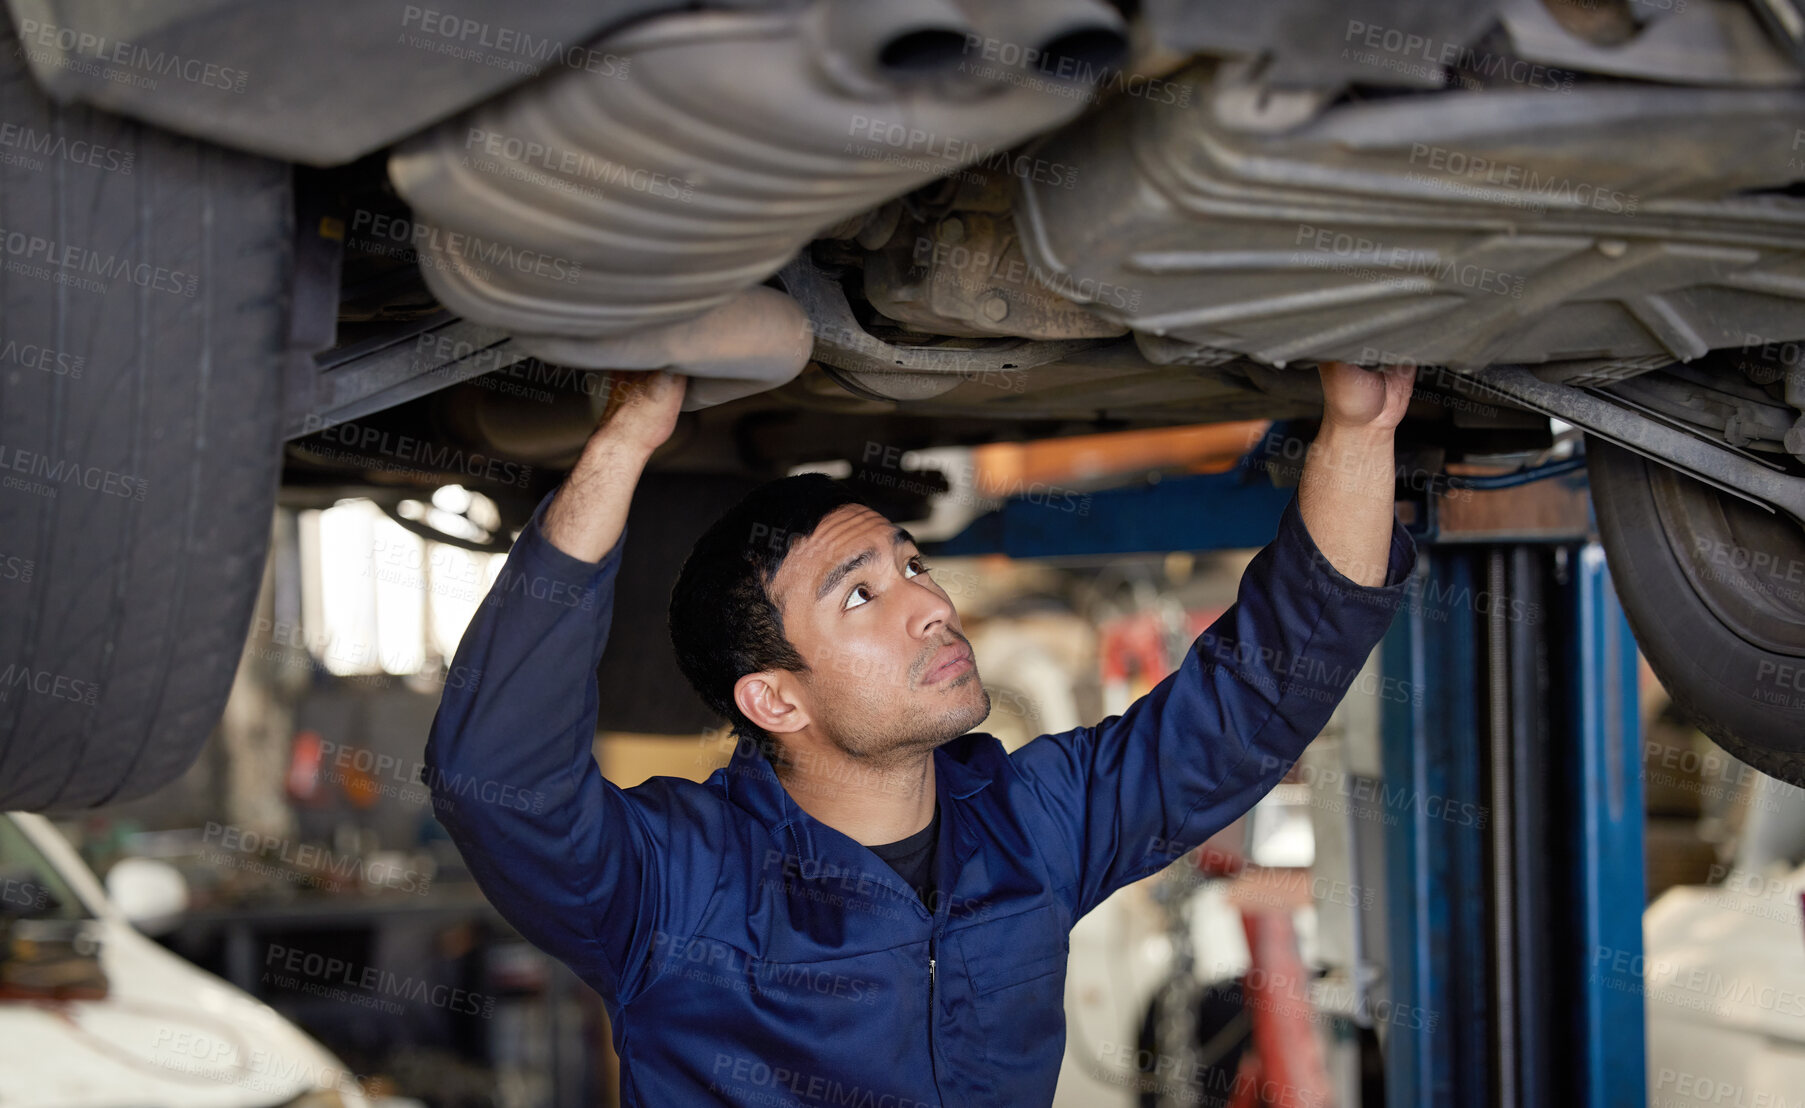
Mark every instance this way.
x=1375 y=399
x=642 y=408
x=1345 y=494
x=586 y=518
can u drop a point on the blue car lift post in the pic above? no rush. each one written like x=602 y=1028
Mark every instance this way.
x=1498 y=928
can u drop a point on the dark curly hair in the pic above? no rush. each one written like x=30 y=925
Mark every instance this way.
x=723 y=621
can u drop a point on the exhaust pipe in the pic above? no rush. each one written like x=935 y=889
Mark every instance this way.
x=585 y=206
x=890 y=42
x=758 y=340
x=1071 y=41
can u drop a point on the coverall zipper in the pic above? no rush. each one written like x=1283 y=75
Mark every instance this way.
x=933 y=1062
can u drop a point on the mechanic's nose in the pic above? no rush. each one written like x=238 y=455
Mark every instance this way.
x=932 y=607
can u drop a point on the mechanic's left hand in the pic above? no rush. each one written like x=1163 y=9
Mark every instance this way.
x=1367 y=399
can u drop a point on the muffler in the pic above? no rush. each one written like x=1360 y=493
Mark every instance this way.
x=589 y=206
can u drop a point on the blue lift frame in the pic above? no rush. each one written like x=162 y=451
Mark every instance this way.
x=1575 y=840
x=1549 y=1030
x=1609 y=781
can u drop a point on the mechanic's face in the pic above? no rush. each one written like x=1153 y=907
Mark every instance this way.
x=890 y=670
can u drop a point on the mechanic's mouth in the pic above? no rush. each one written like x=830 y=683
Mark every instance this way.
x=956 y=663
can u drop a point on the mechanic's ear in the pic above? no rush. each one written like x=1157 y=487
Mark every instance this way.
x=764 y=698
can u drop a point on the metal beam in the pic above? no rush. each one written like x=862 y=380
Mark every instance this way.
x=1722 y=467
x=353 y=381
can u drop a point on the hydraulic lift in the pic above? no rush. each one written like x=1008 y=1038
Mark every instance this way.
x=1509 y=930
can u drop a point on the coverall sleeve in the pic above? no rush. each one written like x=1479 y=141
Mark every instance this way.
x=579 y=866
x=1128 y=796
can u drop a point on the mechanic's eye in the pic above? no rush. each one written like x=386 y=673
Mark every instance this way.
x=914 y=564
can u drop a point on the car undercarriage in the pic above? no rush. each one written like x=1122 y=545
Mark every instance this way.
x=936 y=223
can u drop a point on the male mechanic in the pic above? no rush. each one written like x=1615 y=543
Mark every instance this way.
x=870 y=904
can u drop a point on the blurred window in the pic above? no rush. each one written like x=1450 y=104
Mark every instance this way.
x=379 y=598
x=30 y=887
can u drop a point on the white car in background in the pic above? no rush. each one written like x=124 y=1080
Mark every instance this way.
x=166 y=1032
x=1724 y=978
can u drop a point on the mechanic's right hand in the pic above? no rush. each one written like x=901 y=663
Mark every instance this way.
x=642 y=409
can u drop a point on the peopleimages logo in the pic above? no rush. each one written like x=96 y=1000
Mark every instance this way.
x=475 y=40
x=1718 y=1092
x=734 y=1075
x=16 y=568
x=79 y=50
x=1021 y=273
x=57 y=686
x=1457 y=167
x=899 y=136
x=884 y=464
x=1408 y=52
x=575 y=163
x=223 y=1060
x=57 y=363
x=24 y=894
x=1369 y=259
x=1691 y=986
x=373 y=228
x=65 y=473
x=59 y=147
x=337 y=979
x=36 y=256
x=429 y=455
x=712 y=962
x=315 y=864
x=1192 y=1079
x=1061 y=74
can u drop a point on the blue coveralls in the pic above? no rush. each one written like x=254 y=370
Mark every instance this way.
x=750 y=954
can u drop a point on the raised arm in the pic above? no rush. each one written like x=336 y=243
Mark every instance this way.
x=589 y=510
x=1130 y=795
x=1347 y=487
x=576 y=864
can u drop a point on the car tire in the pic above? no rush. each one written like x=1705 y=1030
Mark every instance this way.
x=1714 y=588
x=144 y=300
